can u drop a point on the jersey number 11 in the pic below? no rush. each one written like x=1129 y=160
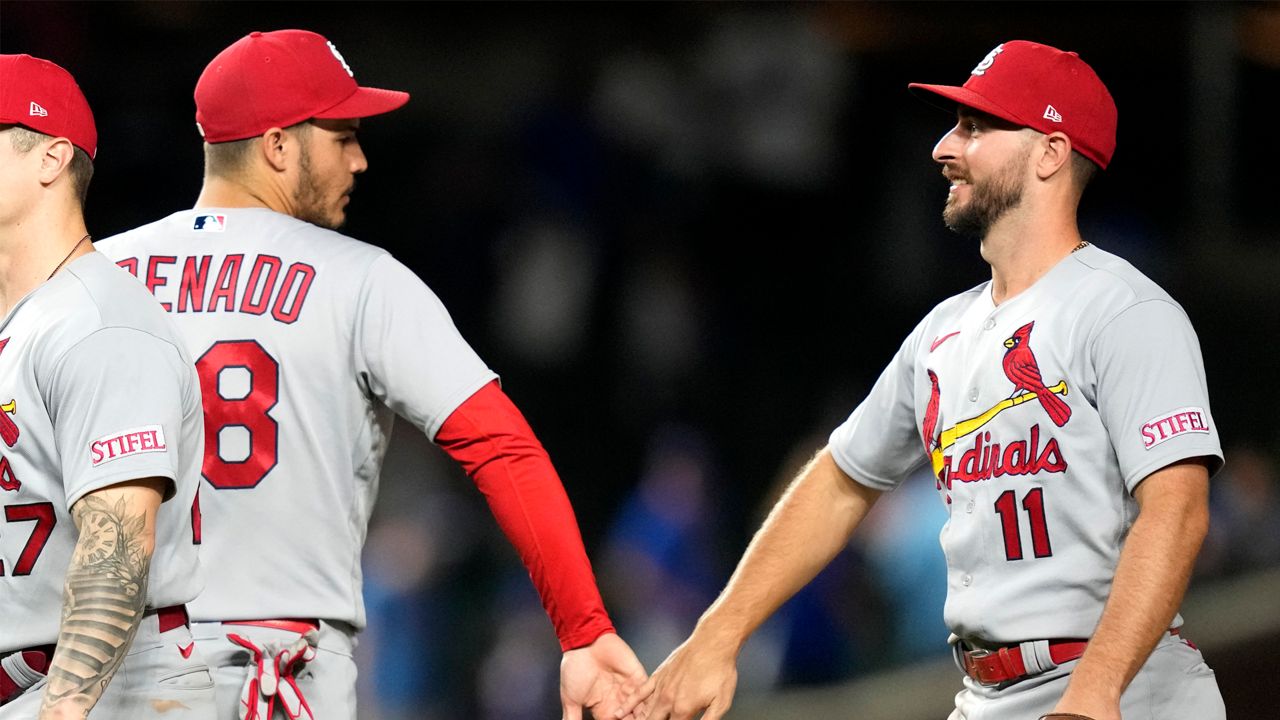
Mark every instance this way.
x=1007 y=509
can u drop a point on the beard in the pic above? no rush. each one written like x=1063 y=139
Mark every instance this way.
x=309 y=196
x=990 y=200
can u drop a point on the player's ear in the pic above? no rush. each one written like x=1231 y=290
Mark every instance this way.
x=1054 y=154
x=55 y=159
x=277 y=148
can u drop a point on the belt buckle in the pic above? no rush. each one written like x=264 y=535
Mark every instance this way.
x=971 y=666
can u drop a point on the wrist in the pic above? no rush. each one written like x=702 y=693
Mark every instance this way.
x=1102 y=685
x=715 y=628
x=65 y=710
x=586 y=636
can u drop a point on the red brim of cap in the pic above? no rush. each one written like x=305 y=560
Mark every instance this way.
x=365 y=101
x=963 y=96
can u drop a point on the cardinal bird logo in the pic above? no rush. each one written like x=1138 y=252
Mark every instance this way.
x=8 y=428
x=1024 y=372
x=931 y=415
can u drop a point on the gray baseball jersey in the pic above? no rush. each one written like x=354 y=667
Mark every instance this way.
x=95 y=389
x=307 y=343
x=1039 y=417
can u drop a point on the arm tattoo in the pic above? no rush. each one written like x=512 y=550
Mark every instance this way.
x=103 y=603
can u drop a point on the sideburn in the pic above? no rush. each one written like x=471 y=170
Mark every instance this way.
x=308 y=197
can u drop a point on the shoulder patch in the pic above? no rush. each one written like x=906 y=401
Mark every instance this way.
x=134 y=441
x=1172 y=424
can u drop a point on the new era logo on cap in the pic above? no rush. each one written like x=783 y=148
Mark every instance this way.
x=42 y=96
x=1051 y=114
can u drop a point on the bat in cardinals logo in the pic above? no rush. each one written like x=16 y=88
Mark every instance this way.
x=1021 y=368
x=993 y=454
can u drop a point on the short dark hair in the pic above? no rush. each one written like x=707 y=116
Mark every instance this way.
x=226 y=159
x=24 y=139
x=1082 y=170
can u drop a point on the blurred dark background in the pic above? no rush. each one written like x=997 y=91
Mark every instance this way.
x=689 y=236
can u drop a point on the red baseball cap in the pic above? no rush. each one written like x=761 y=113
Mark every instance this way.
x=278 y=79
x=1043 y=88
x=42 y=96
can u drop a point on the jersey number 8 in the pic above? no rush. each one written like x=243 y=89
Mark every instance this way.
x=240 y=381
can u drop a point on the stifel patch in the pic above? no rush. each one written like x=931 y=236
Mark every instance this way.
x=135 y=441
x=1172 y=424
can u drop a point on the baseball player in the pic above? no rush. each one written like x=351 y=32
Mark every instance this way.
x=1063 y=411
x=100 y=442
x=308 y=343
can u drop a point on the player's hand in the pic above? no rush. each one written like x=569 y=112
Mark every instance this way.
x=598 y=677
x=698 y=676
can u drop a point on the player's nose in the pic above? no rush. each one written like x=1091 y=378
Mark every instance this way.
x=357 y=161
x=946 y=149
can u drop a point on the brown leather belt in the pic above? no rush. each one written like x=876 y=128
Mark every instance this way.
x=38 y=658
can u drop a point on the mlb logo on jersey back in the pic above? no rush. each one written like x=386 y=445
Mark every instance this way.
x=210 y=223
x=134 y=441
x=1172 y=424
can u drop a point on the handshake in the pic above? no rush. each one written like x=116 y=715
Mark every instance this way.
x=696 y=680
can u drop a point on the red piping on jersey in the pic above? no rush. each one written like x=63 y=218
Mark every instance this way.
x=493 y=442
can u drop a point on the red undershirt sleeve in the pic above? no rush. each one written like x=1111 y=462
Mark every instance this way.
x=493 y=442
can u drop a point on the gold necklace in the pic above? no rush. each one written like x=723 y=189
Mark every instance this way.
x=1083 y=244
x=68 y=257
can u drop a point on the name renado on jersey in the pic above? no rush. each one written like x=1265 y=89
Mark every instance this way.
x=270 y=286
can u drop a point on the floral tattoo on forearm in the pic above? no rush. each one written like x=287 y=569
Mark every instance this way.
x=103 y=602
